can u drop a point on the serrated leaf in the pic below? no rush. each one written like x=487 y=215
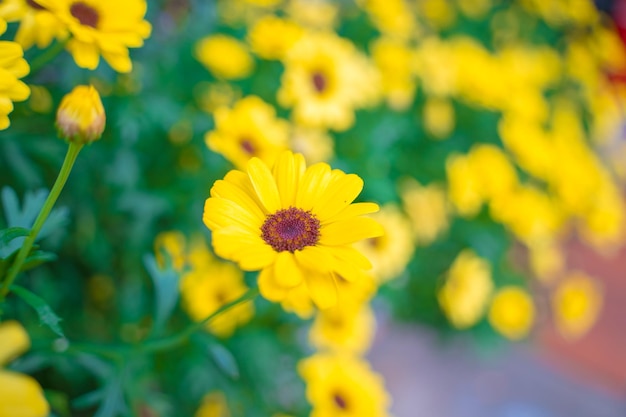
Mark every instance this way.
x=224 y=360
x=46 y=315
x=165 y=287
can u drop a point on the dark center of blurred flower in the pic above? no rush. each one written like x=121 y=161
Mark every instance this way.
x=290 y=229
x=86 y=15
x=34 y=5
x=247 y=146
x=319 y=81
x=340 y=401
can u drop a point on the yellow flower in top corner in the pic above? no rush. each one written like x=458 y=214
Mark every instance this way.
x=249 y=129
x=466 y=291
x=224 y=56
x=13 y=66
x=80 y=116
x=343 y=385
x=576 y=305
x=391 y=252
x=295 y=223
x=102 y=28
x=325 y=80
x=512 y=312
x=20 y=395
x=271 y=37
x=38 y=26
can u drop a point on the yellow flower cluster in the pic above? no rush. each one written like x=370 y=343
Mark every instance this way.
x=206 y=283
x=12 y=67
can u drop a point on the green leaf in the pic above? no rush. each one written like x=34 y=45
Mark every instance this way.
x=7 y=235
x=45 y=313
x=37 y=258
x=165 y=287
x=224 y=360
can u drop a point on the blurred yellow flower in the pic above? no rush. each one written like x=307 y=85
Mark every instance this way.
x=213 y=405
x=271 y=37
x=250 y=128
x=391 y=252
x=12 y=67
x=325 y=80
x=20 y=395
x=438 y=13
x=343 y=385
x=224 y=56
x=170 y=249
x=316 y=14
x=212 y=96
x=37 y=25
x=209 y=285
x=439 y=118
x=394 y=60
x=394 y=18
x=427 y=208
x=475 y=9
x=315 y=144
x=495 y=172
x=546 y=259
x=104 y=29
x=295 y=224
x=511 y=312
x=80 y=116
x=344 y=328
x=466 y=290
x=576 y=305
x=464 y=185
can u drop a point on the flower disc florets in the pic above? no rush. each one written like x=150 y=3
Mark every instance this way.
x=291 y=229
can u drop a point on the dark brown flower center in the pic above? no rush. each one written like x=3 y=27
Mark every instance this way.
x=86 y=15
x=290 y=229
x=34 y=5
x=247 y=146
x=319 y=81
x=340 y=401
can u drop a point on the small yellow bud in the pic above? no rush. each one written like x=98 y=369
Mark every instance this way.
x=80 y=117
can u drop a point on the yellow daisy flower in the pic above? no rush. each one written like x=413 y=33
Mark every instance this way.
x=224 y=56
x=512 y=312
x=271 y=37
x=37 y=25
x=325 y=80
x=102 y=28
x=209 y=285
x=344 y=328
x=249 y=129
x=467 y=289
x=12 y=67
x=342 y=385
x=20 y=395
x=391 y=252
x=295 y=224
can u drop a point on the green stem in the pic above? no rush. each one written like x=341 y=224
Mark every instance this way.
x=180 y=338
x=70 y=158
x=47 y=56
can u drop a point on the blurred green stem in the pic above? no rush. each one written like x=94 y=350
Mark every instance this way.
x=68 y=163
x=47 y=56
x=180 y=338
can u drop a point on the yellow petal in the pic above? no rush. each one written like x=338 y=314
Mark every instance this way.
x=230 y=191
x=339 y=194
x=322 y=289
x=264 y=184
x=353 y=210
x=268 y=287
x=315 y=258
x=85 y=55
x=249 y=251
x=21 y=396
x=219 y=212
x=287 y=172
x=13 y=341
x=352 y=256
x=312 y=184
x=286 y=270
x=350 y=231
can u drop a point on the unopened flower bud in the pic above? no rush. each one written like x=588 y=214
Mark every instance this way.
x=80 y=117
